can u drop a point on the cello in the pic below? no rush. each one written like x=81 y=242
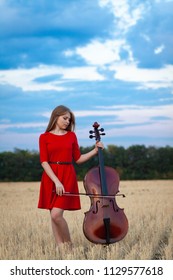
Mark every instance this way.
x=105 y=222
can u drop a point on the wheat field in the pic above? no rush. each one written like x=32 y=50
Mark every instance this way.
x=25 y=231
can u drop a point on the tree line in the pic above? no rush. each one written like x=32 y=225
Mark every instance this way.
x=136 y=162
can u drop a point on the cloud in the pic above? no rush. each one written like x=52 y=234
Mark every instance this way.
x=126 y=114
x=40 y=78
x=161 y=129
x=159 y=49
x=37 y=32
x=133 y=114
x=125 y=13
x=146 y=37
x=124 y=118
x=117 y=120
x=116 y=54
x=86 y=113
x=132 y=121
x=158 y=1
x=148 y=78
x=58 y=16
x=102 y=53
x=4 y=126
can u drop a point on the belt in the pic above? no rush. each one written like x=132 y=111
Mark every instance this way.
x=60 y=162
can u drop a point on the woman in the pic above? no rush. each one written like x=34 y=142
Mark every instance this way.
x=58 y=148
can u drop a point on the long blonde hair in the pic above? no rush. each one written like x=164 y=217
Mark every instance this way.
x=59 y=111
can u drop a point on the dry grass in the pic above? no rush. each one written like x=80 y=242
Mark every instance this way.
x=25 y=231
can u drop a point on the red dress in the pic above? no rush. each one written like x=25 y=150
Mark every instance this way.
x=55 y=148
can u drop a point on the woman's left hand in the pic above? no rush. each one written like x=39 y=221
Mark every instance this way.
x=99 y=145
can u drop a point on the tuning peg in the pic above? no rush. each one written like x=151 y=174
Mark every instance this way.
x=101 y=129
x=91 y=136
x=91 y=131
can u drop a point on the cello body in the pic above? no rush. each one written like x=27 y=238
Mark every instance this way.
x=105 y=222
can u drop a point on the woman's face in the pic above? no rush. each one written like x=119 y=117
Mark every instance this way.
x=63 y=121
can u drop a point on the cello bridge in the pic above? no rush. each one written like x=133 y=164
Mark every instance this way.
x=105 y=206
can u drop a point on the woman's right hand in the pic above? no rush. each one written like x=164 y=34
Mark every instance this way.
x=59 y=189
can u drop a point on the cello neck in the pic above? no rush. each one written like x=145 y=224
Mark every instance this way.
x=97 y=132
x=102 y=172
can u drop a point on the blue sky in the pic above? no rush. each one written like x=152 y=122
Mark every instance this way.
x=109 y=61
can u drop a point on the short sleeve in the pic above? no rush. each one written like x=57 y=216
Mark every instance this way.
x=76 y=150
x=43 y=148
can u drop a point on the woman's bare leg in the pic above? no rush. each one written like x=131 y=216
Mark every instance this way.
x=59 y=226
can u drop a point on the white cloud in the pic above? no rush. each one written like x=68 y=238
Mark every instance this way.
x=146 y=37
x=4 y=126
x=125 y=114
x=86 y=73
x=148 y=78
x=102 y=53
x=162 y=129
x=126 y=15
x=87 y=113
x=125 y=120
x=159 y=49
x=133 y=120
x=128 y=114
x=107 y=54
x=27 y=78
x=142 y=114
x=158 y=1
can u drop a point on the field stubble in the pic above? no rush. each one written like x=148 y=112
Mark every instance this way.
x=25 y=231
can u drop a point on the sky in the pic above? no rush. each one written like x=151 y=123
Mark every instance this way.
x=108 y=61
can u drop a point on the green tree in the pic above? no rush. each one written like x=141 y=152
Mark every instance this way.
x=135 y=162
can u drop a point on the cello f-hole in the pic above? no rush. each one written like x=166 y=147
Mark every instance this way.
x=96 y=210
x=113 y=205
